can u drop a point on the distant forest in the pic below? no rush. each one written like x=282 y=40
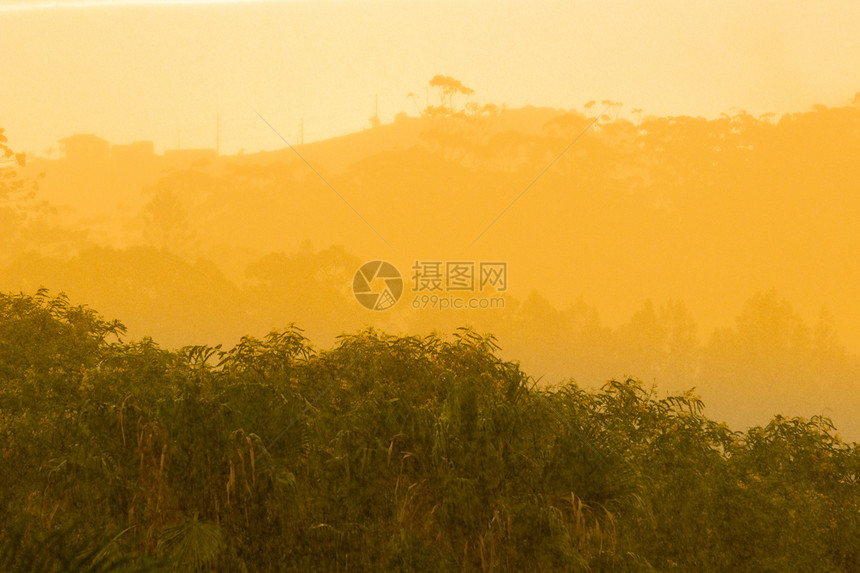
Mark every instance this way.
x=682 y=251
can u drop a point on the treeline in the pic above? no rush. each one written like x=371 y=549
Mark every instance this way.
x=704 y=212
x=385 y=453
x=767 y=360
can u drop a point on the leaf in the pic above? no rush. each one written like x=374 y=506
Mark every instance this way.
x=192 y=545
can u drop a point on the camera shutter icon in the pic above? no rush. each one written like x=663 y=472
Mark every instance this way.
x=377 y=285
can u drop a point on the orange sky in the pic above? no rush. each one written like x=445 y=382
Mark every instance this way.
x=147 y=69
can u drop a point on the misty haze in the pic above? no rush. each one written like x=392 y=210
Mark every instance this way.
x=564 y=334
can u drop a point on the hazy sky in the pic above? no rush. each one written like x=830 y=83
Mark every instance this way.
x=152 y=69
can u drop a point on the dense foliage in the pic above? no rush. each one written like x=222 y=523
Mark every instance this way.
x=385 y=454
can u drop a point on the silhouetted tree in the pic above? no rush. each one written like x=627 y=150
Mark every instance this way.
x=167 y=223
x=448 y=88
